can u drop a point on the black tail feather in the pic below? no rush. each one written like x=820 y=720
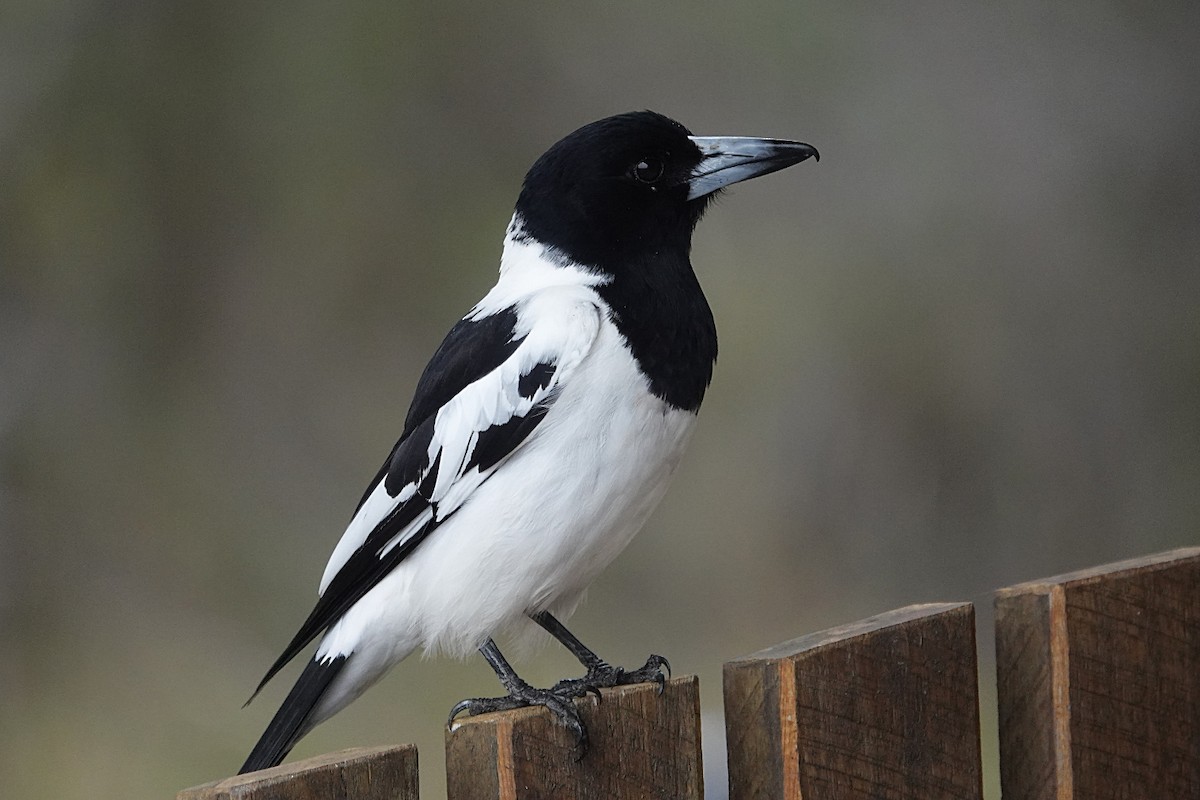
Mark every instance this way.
x=290 y=721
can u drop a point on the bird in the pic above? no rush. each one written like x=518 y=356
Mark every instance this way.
x=542 y=433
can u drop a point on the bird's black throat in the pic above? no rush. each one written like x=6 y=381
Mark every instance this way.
x=661 y=311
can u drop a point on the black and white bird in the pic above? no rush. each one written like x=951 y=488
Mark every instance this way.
x=543 y=432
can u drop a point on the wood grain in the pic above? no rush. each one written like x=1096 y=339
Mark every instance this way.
x=886 y=708
x=361 y=773
x=1098 y=677
x=643 y=745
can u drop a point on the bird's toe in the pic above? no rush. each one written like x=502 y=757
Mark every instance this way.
x=560 y=702
x=606 y=675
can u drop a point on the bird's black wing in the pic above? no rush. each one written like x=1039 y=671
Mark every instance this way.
x=485 y=390
x=473 y=348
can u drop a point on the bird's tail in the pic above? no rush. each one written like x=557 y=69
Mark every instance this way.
x=293 y=719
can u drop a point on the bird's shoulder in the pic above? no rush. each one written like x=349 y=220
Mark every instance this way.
x=552 y=331
x=486 y=389
x=503 y=347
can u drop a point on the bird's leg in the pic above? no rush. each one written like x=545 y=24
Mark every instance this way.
x=599 y=672
x=521 y=694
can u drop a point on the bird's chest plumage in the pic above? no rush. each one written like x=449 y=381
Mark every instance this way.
x=606 y=452
x=668 y=327
x=554 y=514
x=536 y=530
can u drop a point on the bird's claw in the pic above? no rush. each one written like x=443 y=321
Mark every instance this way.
x=650 y=672
x=559 y=703
x=656 y=664
x=559 y=698
x=604 y=675
x=475 y=706
x=459 y=707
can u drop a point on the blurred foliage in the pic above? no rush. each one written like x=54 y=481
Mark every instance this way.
x=961 y=351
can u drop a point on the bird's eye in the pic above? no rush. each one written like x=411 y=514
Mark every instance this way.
x=648 y=170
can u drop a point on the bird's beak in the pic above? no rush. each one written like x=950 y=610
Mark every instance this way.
x=730 y=159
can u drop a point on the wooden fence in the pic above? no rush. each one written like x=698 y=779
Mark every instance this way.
x=1098 y=688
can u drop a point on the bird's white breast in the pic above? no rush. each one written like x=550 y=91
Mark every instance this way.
x=540 y=529
x=536 y=533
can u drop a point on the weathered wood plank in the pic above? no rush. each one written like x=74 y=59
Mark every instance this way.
x=360 y=773
x=643 y=745
x=1098 y=676
x=886 y=708
x=1030 y=765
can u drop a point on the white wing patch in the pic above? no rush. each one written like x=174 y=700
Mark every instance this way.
x=557 y=326
x=377 y=506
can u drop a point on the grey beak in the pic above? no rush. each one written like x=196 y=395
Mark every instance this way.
x=730 y=159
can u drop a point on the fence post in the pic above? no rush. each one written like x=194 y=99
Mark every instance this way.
x=885 y=707
x=360 y=773
x=1098 y=678
x=643 y=745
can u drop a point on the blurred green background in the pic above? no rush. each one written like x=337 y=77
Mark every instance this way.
x=961 y=351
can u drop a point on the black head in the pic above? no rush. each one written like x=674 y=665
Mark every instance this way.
x=614 y=186
x=621 y=196
x=637 y=183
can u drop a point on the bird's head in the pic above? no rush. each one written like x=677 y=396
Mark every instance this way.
x=637 y=183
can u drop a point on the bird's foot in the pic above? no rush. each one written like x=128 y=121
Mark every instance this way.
x=604 y=675
x=559 y=702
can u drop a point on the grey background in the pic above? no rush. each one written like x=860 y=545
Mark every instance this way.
x=961 y=351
